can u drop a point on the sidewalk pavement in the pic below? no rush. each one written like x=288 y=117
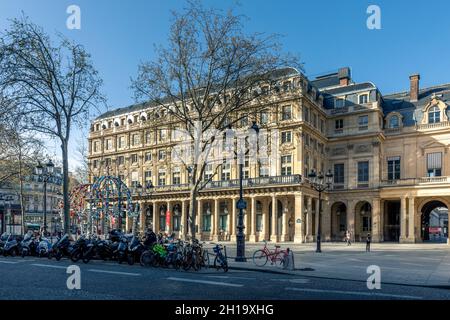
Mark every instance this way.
x=424 y=264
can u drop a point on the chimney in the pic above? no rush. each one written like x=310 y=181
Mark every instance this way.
x=414 y=87
x=344 y=76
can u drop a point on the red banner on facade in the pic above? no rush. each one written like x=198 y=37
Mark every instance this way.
x=167 y=220
x=434 y=230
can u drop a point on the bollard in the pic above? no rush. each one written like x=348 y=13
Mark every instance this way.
x=288 y=263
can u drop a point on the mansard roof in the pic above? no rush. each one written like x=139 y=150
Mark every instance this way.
x=277 y=74
x=412 y=112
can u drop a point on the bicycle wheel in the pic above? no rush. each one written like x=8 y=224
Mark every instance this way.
x=260 y=258
x=146 y=259
x=279 y=259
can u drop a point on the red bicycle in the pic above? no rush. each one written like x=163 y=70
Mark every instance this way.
x=277 y=256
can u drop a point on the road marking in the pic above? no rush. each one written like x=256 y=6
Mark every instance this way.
x=230 y=277
x=47 y=266
x=115 y=272
x=206 y=282
x=374 y=294
x=8 y=262
x=293 y=280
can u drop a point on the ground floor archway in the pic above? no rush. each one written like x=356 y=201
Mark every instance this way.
x=434 y=221
x=338 y=221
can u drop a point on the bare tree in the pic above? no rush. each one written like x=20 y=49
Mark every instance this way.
x=20 y=153
x=209 y=76
x=54 y=86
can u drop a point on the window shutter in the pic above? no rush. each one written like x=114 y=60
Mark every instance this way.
x=434 y=160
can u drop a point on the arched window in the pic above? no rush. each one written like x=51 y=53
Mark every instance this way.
x=434 y=115
x=394 y=122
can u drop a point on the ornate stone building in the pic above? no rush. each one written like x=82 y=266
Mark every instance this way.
x=388 y=155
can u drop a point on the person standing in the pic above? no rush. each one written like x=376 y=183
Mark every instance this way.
x=368 y=242
x=348 y=238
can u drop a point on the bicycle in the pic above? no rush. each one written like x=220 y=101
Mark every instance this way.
x=277 y=257
x=220 y=259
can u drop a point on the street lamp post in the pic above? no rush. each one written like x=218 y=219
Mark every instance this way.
x=45 y=173
x=317 y=183
x=241 y=204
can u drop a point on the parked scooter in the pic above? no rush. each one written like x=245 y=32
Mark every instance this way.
x=28 y=245
x=3 y=239
x=44 y=247
x=11 y=246
x=78 y=249
x=122 y=248
x=135 y=250
x=61 y=248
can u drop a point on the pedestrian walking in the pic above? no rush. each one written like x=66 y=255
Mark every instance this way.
x=368 y=242
x=348 y=238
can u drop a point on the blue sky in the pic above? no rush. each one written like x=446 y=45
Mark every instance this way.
x=415 y=36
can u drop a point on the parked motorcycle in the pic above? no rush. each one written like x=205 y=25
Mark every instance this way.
x=61 y=248
x=11 y=246
x=44 y=247
x=3 y=238
x=27 y=245
x=135 y=250
x=122 y=248
x=78 y=249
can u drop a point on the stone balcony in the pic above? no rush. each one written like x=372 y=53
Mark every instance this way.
x=234 y=183
x=438 y=125
x=416 y=181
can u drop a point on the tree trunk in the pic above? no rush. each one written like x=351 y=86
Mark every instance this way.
x=22 y=202
x=192 y=212
x=66 y=186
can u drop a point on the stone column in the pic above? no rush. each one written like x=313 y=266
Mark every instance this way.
x=411 y=221
x=233 y=220
x=215 y=223
x=376 y=220
x=155 y=217
x=351 y=218
x=326 y=220
x=299 y=237
x=273 y=235
x=284 y=226
x=309 y=236
x=403 y=217
x=266 y=231
x=252 y=237
x=142 y=216
x=184 y=225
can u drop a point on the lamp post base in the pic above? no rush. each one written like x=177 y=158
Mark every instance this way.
x=240 y=259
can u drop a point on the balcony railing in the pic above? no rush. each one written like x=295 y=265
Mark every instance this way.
x=433 y=125
x=416 y=181
x=234 y=183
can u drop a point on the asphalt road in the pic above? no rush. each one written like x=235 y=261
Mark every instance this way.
x=35 y=278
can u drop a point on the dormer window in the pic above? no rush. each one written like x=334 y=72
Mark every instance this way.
x=434 y=115
x=364 y=98
x=340 y=103
x=394 y=122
